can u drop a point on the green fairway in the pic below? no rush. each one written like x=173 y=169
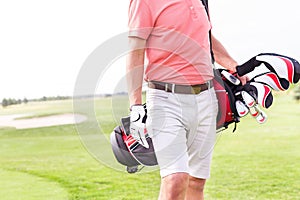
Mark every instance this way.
x=26 y=186
x=255 y=162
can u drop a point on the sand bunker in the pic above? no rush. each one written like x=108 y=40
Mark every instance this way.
x=54 y=120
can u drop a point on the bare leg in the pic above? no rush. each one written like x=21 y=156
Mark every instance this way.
x=174 y=186
x=195 y=189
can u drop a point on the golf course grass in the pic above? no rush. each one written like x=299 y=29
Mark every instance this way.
x=255 y=162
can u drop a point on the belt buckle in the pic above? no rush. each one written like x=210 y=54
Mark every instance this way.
x=196 y=90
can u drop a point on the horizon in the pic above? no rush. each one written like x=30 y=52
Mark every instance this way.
x=42 y=53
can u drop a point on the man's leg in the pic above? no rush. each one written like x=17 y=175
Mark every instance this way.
x=201 y=142
x=195 y=190
x=174 y=186
x=169 y=140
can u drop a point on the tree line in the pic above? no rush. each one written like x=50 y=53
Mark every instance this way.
x=11 y=101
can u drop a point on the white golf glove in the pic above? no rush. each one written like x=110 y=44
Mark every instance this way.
x=138 y=118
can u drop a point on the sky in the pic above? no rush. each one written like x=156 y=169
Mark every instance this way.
x=43 y=44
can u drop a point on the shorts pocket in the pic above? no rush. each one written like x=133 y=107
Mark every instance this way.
x=153 y=94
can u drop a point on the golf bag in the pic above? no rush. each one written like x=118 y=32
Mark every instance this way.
x=266 y=72
x=227 y=113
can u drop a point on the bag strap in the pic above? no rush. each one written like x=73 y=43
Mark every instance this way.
x=217 y=74
x=205 y=3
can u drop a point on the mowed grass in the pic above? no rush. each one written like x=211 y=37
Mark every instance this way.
x=255 y=162
x=260 y=161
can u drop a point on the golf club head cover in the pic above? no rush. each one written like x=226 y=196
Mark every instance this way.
x=258 y=114
x=272 y=80
x=260 y=92
x=230 y=78
x=283 y=66
x=241 y=108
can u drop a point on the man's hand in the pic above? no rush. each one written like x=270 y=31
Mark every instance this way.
x=138 y=118
x=243 y=79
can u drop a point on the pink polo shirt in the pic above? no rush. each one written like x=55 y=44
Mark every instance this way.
x=178 y=49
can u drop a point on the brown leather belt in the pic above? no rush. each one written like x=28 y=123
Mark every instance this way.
x=180 y=89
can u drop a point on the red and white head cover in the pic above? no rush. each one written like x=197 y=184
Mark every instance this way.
x=284 y=67
x=262 y=94
x=271 y=79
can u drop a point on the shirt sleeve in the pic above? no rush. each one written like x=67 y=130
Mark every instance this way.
x=140 y=21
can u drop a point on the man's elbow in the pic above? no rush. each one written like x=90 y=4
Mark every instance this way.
x=136 y=43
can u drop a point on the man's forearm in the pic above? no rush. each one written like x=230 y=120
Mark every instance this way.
x=222 y=57
x=135 y=70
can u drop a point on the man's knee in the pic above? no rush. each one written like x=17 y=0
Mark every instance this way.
x=196 y=183
x=176 y=179
x=174 y=186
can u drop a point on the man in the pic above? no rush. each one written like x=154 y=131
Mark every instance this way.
x=181 y=101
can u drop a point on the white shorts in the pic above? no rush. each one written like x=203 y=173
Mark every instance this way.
x=183 y=130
